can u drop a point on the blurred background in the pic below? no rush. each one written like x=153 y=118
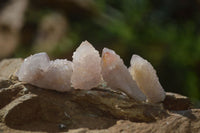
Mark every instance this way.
x=166 y=33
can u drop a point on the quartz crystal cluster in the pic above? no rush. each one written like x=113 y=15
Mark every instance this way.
x=88 y=70
x=86 y=67
x=38 y=70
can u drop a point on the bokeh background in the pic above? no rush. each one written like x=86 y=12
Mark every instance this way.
x=166 y=33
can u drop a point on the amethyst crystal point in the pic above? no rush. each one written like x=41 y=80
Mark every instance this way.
x=145 y=76
x=38 y=70
x=117 y=76
x=86 y=67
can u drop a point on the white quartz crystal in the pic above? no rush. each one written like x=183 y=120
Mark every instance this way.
x=145 y=76
x=86 y=67
x=38 y=70
x=32 y=67
x=117 y=76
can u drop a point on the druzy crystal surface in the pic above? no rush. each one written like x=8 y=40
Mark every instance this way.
x=86 y=67
x=38 y=70
x=147 y=80
x=117 y=76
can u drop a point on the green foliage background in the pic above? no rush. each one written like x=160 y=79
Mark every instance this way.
x=166 y=33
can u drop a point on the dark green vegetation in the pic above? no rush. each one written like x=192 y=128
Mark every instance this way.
x=164 y=32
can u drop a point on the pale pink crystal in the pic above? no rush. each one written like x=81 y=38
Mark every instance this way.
x=145 y=76
x=86 y=67
x=117 y=76
x=32 y=67
x=38 y=70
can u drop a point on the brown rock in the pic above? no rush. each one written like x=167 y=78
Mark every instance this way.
x=8 y=67
x=176 y=102
x=31 y=109
x=25 y=106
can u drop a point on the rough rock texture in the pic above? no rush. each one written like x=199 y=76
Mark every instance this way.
x=183 y=102
x=146 y=78
x=9 y=67
x=86 y=7
x=24 y=107
x=117 y=76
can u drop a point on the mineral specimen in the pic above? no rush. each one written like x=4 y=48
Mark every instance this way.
x=88 y=70
x=145 y=76
x=86 y=67
x=38 y=70
x=117 y=76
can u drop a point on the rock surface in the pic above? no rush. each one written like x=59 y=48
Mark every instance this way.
x=24 y=107
x=9 y=67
